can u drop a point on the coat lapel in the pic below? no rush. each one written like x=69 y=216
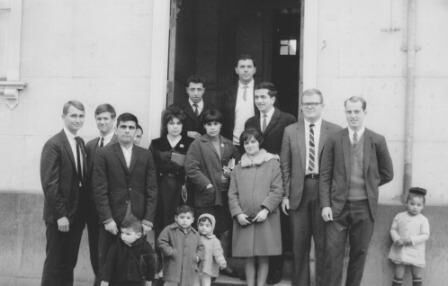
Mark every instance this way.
x=68 y=149
x=322 y=137
x=346 y=149
x=367 y=152
x=119 y=153
x=301 y=144
x=134 y=156
x=275 y=118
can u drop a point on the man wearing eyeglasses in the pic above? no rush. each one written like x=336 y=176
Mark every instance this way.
x=300 y=157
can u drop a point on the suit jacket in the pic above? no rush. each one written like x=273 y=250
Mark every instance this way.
x=272 y=136
x=91 y=149
x=115 y=184
x=227 y=107
x=293 y=158
x=193 y=122
x=335 y=170
x=203 y=166
x=60 y=181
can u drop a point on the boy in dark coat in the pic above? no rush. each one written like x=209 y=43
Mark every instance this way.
x=130 y=258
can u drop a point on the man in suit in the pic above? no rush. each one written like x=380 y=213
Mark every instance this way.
x=105 y=118
x=238 y=102
x=124 y=181
x=271 y=122
x=355 y=162
x=301 y=150
x=62 y=173
x=195 y=88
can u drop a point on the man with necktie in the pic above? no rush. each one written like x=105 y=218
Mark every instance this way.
x=195 y=106
x=237 y=103
x=63 y=178
x=355 y=162
x=105 y=118
x=301 y=150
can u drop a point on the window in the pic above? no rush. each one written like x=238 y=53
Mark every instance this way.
x=288 y=47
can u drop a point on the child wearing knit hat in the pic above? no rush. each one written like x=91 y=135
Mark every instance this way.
x=213 y=252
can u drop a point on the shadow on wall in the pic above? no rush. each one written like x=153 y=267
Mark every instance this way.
x=22 y=244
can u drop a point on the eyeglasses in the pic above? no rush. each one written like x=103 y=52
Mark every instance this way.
x=311 y=104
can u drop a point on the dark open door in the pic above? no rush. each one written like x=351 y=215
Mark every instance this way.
x=210 y=34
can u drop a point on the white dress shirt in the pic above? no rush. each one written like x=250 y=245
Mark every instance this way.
x=106 y=139
x=200 y=105
x=72 y=141
x=268 y=118
x=244 y=109
x=360 y=132
x=316 y=128
x=127 y=153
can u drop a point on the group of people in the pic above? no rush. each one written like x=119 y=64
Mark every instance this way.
x=258 y=181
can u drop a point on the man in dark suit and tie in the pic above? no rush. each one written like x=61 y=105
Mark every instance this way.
x=62 y=173
x=195 y=88
x=237 y=103
x=105 y=118
x=271 y=121
x=301 y=150
x=355 y=162
x=124 y=180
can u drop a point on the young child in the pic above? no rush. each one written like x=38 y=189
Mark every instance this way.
x=213 y=253
x=409 y=232
x=130 y=258
x=182 y=250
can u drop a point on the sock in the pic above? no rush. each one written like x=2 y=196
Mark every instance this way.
x=397 y=282
x=417 y=281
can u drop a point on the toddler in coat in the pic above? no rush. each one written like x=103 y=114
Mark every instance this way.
x=409 y=232
x=182 y=250
x=130 y=258
x=213 y=252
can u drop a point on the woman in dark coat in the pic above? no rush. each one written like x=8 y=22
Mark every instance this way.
x=169 y=154
x=254 y=196
x=208 y=165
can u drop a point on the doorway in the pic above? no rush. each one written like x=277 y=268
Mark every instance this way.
x=209 y=35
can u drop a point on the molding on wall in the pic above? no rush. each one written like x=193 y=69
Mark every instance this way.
x=11 y=86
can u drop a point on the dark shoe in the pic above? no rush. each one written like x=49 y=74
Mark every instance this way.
x=228 y=272
x=274 y=277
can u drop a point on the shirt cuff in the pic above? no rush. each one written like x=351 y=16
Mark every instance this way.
x=147 y=223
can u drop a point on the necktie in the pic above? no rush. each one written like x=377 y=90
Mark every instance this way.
x=264 y=123
x=196 y=109
x=245 y=92
x=355 y=138
x=311 y=150
x=102 y=142
x=79 y=162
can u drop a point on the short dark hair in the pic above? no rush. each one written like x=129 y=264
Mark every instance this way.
x=272 y=90
x=184 y=209
x=416 y=192
x=169 y=114
x=76 y=104
x=195 y=79
x=357 y=99
x=244 y=57
x=211 y=115
x=248 y=134
x=105 y=107
x=127 y=117
x=139 y=127
x=312 y=91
